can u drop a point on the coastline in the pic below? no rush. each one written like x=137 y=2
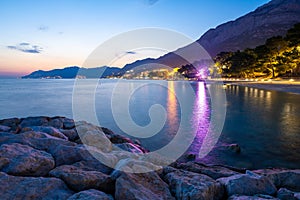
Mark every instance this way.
x=46 y=154
x=281 y=86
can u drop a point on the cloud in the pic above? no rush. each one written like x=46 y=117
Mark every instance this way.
x=130 y=52
x=43 y=28
x=26 y=48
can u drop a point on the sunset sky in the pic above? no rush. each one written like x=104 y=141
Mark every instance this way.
x=54 y=34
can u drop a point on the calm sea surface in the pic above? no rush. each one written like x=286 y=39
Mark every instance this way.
x=266 y=124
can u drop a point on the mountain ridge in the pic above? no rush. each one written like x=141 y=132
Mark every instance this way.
x=73 y=72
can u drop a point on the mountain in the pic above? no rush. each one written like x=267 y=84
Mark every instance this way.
x=248 y=31
x=73 y=72
x=251 y=30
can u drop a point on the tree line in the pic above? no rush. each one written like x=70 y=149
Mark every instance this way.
x=278 y=57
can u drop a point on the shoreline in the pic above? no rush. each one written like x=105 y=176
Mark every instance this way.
x=280 y=86
x=46 y=154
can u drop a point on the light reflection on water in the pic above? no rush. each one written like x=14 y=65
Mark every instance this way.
x=266 y=124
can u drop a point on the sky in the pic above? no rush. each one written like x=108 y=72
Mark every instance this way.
x=52 y=34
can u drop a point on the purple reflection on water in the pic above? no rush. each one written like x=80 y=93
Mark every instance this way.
x=202 y=111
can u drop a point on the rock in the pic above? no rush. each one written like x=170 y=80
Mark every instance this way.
x=56 y=122
x=234 y=148
x=22 y=160
x=188 y=185
x=289 y=179
x=91 y=195
x=46 y=129
x=141 y=187
x=78 y=179
x=93 y=165
x=93 y=136
x=34 y=121
x=131 y=165
x=285 y=194
x=70 y=154
x=70 y=133
x=4 y=128
x=13 y=187
x=297 y=195
x=68 y=123
x=128 y=147
x=214 y=172
x=36 y=140
x=13 y=123
x=119 y=139
x=248 y=184
x=256 y=197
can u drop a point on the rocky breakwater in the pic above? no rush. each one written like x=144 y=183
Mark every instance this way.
x=44 y=158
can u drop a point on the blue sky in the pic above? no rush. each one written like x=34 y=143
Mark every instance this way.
x=54 y=34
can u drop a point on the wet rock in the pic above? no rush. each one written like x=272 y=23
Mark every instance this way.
x=141 y=186
x=214 y=172
x=248 y=184
x=234 y=148
x=119 y=139
x=256 y=197
x=22 y=160
x=34 y=121
x=285 y=194
x=13 y=187
x=78 y=179
x=71 y=134
x=289 y=179
x=46 y=129
x=188 y=185
x=91 y=195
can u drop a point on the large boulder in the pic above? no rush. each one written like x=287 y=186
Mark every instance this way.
x=146 y=186
x=214 y=172
x=4 y=128
x=93 y=136
x=93 y=165
x=46 y=129
x=188 y=185
x=37 y=140
x=68 y=123
x=56 y=122
x=289 y=179
x=28 y=188
x=285 y=194
x=70 y=133
x=70 y=154
x=13 y=123
x=248 y=184
x=34 y=121
x=78 y=179
x=91 y=194
x=22 y=160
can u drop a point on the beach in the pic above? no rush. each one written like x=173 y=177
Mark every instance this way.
x=281 y=85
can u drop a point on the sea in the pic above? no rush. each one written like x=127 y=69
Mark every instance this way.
x=265 y=124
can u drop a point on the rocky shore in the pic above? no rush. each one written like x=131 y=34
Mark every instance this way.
x=44 y=158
